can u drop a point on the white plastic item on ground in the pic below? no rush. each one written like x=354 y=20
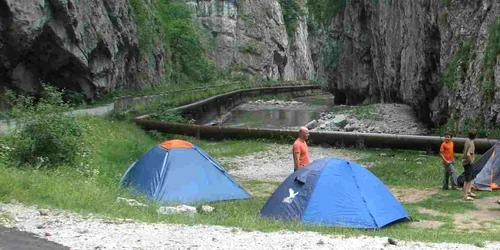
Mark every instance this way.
x=207 y=209
x=131 y=202
x=177 y=210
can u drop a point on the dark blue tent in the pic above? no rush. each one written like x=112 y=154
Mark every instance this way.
x=334 y=192
x=177 y=171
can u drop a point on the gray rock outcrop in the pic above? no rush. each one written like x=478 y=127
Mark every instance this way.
x=399 y=51
x=88 y=46
x=251 y=37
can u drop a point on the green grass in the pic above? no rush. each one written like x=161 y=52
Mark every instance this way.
x=425 y=171
x=117 y=144
x=365 y=111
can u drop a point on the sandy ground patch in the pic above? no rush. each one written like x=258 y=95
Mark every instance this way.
x=412 y=195
x=262 y=189
x=430 y=212
x=486 y=217
x=426 y=224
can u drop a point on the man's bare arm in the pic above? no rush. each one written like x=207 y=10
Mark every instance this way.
x=296 y=159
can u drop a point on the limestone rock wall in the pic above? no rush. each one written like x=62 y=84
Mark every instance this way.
x=88 y=46
x=251 y=37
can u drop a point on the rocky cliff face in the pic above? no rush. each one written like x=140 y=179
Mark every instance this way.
x=470 y=60
x=440 y=57
x=398 y=51
x=93 y=46
x=251 y=37
x=88 y=46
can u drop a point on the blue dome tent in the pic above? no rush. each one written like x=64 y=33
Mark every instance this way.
x=177 y=171
x=334 y=192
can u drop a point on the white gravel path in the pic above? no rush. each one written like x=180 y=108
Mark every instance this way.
x=277 y=164
x=72 y=230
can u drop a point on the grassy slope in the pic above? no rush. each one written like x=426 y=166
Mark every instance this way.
x=117 y=144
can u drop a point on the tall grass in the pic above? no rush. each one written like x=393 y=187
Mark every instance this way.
x=114 y=146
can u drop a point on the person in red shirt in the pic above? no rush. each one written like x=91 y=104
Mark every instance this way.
x=448 y=157
x=300 y=150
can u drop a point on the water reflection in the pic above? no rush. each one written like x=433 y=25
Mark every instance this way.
x=277 y=118
x=282 y=117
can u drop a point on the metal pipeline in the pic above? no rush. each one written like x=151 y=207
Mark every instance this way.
x=348 y=139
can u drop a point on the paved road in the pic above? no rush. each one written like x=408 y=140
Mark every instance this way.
x=99 y=111
x=13 y=239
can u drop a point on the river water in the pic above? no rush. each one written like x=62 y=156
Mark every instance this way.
x=280 y=116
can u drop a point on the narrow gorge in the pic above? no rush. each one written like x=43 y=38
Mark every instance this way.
x=441 y=57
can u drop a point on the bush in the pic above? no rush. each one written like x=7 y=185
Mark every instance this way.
x=45 y=135
x=166 y=115
x=250 y=47
x=292 y=11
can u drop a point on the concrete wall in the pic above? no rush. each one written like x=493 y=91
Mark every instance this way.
x=215 y=107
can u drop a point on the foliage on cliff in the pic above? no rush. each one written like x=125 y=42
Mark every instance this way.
x=457 y=66
x=487 y=77
x=168 y=24
x=321 y=12
x=292 y=11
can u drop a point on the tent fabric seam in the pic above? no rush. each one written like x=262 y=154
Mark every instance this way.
x=362 y=195
x=492 y=170
x=163 y=172
x=312 y=193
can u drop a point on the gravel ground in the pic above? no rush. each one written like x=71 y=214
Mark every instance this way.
x=78 y=233
x=278 y=162
x=393 y=119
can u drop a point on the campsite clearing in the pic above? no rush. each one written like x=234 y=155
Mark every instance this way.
x=116 y=145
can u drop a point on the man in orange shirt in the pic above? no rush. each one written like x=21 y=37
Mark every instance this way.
x=448 y=157
x=300 y=150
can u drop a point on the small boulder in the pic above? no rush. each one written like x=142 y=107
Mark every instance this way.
x=392 y=241
x=351 y=127
x=312 y=124
x=340 y=121
x=43 y=212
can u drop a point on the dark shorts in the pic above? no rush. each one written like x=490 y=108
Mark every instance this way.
x=468 y=173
